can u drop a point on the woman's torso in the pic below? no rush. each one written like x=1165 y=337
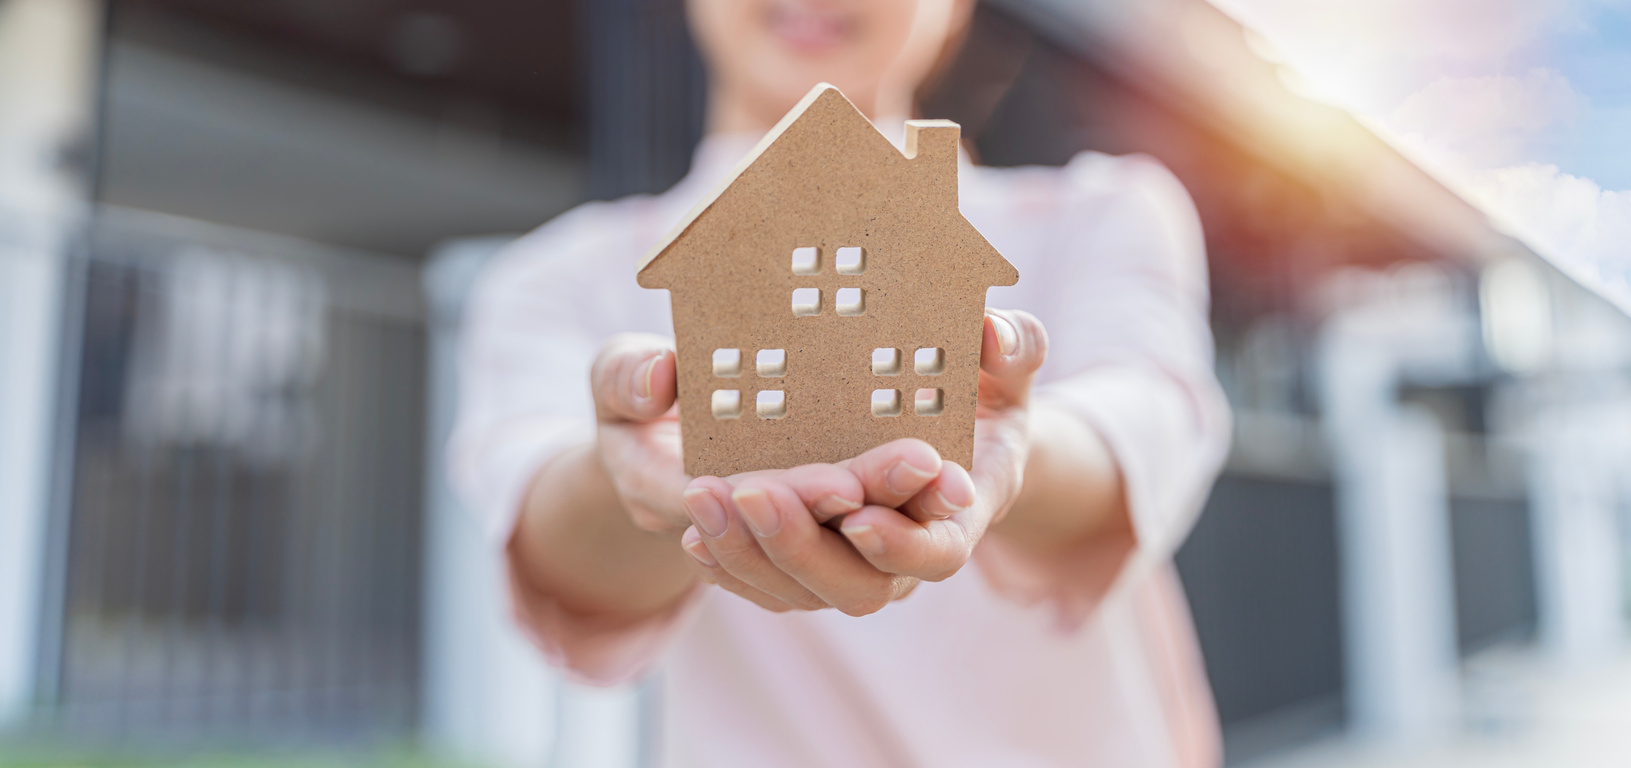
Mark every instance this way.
x=955 y=674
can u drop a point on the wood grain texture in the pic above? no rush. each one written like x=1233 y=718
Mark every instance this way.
x=825 y=178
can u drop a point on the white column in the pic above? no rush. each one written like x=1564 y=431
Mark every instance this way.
x=1579 y=445
x=1397 y=577
x=47 y=65
x=1398 y=589
x=1576 y=454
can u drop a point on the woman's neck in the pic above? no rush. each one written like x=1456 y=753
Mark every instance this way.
x=730 y=112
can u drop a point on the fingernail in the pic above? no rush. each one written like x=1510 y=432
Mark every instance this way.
x=951 y=509
x=642 y=379
x=755 y=506
x=905 y=478
x=865 y=539
x=1007 y=336
x=834 y=505
x=692 y=542
x=706 y=511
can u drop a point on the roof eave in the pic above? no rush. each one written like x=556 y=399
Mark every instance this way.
x=696 y=211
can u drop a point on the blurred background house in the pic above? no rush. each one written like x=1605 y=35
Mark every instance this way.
x=234 y=241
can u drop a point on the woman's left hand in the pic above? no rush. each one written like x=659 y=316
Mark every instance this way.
x=905 y=517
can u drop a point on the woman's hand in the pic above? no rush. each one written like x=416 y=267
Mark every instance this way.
x=638 y=431
x=903 y=515
x=761 y=534
x=917 y=540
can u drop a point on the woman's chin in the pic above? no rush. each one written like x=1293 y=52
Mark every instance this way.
x=810 y=34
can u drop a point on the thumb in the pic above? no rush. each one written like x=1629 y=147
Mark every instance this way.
x=633 y=378
x=1014 y=347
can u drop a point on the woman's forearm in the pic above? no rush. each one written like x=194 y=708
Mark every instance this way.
x=575 y=543
x=1073 y=487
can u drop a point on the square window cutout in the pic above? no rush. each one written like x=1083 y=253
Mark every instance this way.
x=771 y=362
x=727 y=403
x=850 y=261
x=851 y=302
x=885 y=402
x=771 y=404
x=929 y=361
x=885 y=362
x=727 y=363
x=806 y=302
x=929 y=402
x=806 y=261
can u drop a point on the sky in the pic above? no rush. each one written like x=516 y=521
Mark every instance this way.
x=1521 y=106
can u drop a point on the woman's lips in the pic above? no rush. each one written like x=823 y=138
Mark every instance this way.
x=808 y=30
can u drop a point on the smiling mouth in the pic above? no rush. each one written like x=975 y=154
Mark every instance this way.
x=809 y=30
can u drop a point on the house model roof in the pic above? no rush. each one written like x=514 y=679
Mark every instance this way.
x=826 y=139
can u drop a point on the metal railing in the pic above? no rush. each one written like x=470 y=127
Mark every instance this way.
x=239 y=536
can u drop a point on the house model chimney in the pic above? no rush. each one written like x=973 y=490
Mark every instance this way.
x=932 y=146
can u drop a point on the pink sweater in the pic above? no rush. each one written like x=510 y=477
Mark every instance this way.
x=1087 y=658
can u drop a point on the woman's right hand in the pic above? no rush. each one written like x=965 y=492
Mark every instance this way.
x=638 y=432
x=638 y=445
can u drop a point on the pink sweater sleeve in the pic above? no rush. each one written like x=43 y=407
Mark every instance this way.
x=535 y=321
x=597 y=651
x=1131 y=356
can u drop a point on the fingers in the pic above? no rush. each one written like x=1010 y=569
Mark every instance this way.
x=713 y=574
x=951 y=493
x=895 y=543
x=734 y=549
x=633 y=378
x=764 y=541
x=643 y=463
x=1014 y=346
x=826 y=490
x=817 y=557
x=895 y=471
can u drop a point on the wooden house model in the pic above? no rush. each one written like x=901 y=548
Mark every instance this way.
x=828 y=297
